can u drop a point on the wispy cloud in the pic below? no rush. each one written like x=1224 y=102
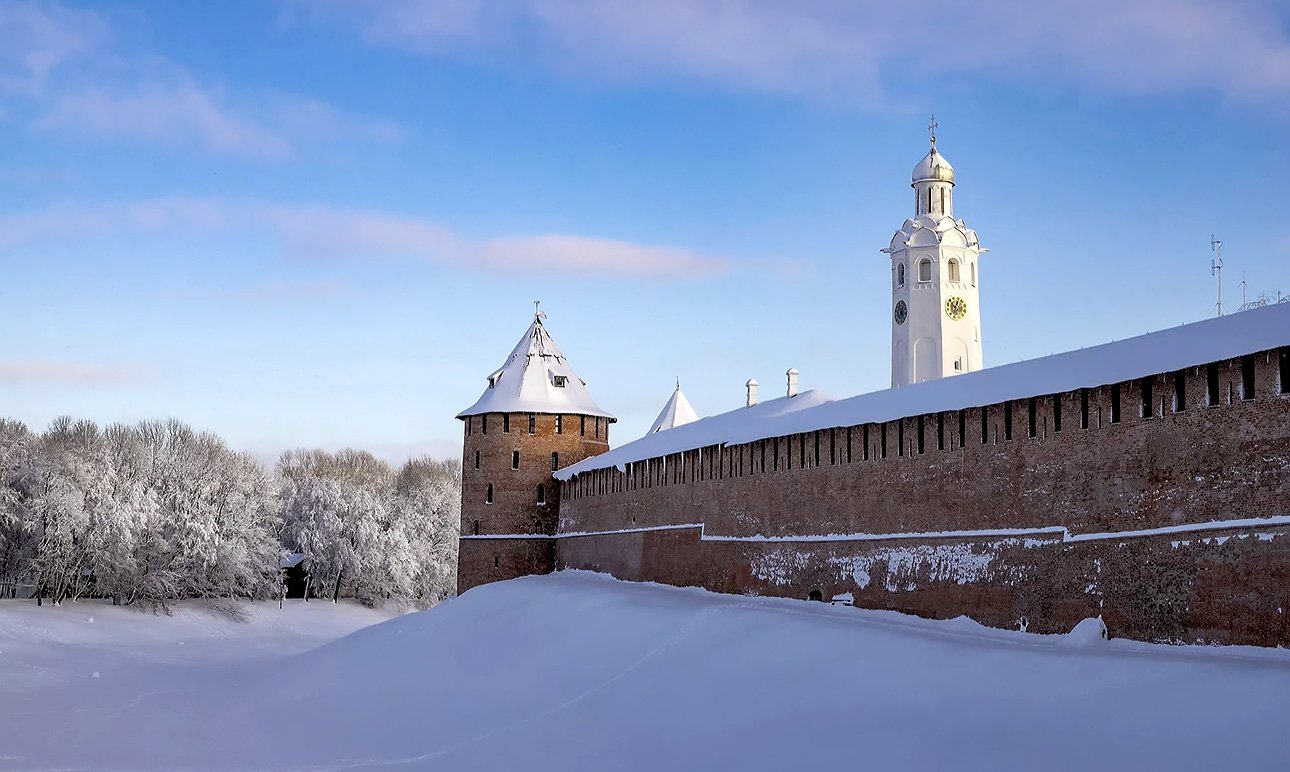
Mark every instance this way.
x=35 y=39
x=170 y=112
x=1241 y=50
x=360 y=234
x=62 y=72
x=351 y=234
x=53 y=373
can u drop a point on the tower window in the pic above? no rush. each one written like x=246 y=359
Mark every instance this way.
x=488 y=494
x=883 y=439
x=900 y=276
x=555 y=461
x=942 y=200
x=506 y=423
x=1083 y=408
x=582 y=426
x=1180 y=391
x=985 y=426
x=1211 y=384
x=541 y=495
x=922 y=426
x=924 y=270
x=962 y=428
x=483 y=424
x=468 y=424
x=1283 y=368
x=475 y=528
x=1115 y=403
x=515 y=459
x=477 y=459
x=972 y=267
x=559 y=424
x=1057 y=413
x=1148 y=408
x=1007 y=420
x=1247 y=377
x=1033 y=427
x=532 y=423
x=900 y=437
x=559 y=381
x=954 y=270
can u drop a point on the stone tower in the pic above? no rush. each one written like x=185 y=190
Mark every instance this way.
x=935 y=316
x=534 y=417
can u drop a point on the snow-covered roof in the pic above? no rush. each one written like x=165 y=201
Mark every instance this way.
x=930 y=231
x=933 y=167
x=676 y=412
x=1176 y=348
x=536 y=378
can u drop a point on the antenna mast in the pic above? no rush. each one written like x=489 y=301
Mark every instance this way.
x=1216 y=270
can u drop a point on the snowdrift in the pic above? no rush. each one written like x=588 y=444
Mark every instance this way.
x=577 y=671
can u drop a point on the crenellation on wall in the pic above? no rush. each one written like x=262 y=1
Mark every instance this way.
x=1171 y=467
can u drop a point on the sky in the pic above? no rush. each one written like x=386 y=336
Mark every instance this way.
x=323 y=223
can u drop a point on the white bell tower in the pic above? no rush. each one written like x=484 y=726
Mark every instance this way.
x=935 y=317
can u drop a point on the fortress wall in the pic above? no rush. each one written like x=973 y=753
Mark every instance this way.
x=1227 y=586
x=1171 y=469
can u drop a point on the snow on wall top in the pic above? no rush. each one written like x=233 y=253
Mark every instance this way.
x=1176 y=348
x=676 y=412
x=536 y=378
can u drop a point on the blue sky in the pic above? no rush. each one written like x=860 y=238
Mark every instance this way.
x=324 y=223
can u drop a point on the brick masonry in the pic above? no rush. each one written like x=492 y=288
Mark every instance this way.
x=489 y=458
x=1154 y=467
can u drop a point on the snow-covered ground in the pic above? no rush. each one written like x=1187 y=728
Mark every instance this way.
x=579 y=672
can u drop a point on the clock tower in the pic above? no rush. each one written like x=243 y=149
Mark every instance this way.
x=935 y=317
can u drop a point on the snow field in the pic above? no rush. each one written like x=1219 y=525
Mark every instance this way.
x=576 y=671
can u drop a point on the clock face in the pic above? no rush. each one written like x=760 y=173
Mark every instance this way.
x=956 y=308
x=901 y=312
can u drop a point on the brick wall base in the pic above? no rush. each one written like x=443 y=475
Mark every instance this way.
x=1230 y=587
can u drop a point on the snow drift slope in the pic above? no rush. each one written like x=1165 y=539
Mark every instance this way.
x=579 y=672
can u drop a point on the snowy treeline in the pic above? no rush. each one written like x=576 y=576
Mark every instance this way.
x=156 y=511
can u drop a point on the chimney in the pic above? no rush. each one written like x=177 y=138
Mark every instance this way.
x=792 y=381
x=752 y=391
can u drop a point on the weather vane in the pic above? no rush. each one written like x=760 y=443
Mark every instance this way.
x=931 y=128
x=538 y=313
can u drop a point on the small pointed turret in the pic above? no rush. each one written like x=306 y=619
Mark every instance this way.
x=676 y=412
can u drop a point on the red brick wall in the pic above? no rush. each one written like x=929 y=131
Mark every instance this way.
x=515 y=508
x=1230 y=460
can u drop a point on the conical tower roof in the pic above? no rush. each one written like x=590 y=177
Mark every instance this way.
x=676 y=412
x=536 y=378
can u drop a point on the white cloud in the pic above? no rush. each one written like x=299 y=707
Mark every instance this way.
x=1239 y=49
x=338 y=233
x=168 y=112
x=47 y=373
x=354 y=233
x=61 y=72
x=35 y=39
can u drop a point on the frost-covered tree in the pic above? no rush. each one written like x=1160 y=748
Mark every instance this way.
x=367 y=532
x=154 y=512
x=151 y=513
